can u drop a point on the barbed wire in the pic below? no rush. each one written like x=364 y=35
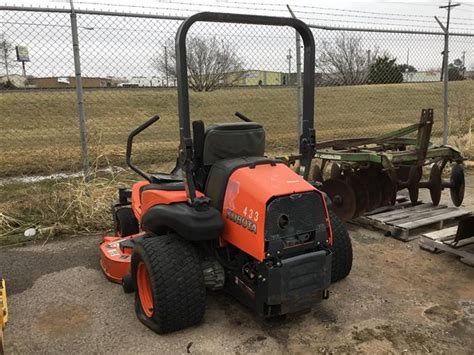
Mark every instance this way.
x=369 y=12
x=407 y=18
x=311 y=7
x=371 y=23
x=384 y=18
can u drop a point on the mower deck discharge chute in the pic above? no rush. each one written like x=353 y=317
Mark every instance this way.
x=227 y=217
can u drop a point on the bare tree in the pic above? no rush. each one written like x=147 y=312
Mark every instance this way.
x=7 y=55
x=345 y=61
x=211 y=63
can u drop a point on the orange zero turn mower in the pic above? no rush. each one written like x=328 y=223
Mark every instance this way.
x=227 y=217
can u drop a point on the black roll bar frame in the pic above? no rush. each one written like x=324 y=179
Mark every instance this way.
x=307 y=139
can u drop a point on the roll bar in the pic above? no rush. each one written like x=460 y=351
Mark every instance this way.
x=307 y=139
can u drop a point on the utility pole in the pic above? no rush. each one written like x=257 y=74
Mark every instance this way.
x=408 y=57
x=289 y=65
x=449 y=6
x=444 y=70
x=368 y=58
x=166 y=65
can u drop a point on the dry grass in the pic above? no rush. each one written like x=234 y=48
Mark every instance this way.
x=40 y=129
x=40 y=135
x=71 y=206
x=462 y=119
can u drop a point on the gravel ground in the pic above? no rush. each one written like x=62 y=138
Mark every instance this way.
x=398 y=298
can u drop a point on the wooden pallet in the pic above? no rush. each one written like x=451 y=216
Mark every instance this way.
x=403 y=220
x=442 y=241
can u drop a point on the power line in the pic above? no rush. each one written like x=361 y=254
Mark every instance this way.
x=405 y=3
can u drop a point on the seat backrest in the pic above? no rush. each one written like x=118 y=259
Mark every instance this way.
x=220 y=172
x=233 y=140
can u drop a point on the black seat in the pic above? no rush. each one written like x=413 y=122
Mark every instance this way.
x=224 y=141
x=233 y=140
x=220 y=173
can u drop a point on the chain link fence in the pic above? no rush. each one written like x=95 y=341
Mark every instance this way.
x=367 y=83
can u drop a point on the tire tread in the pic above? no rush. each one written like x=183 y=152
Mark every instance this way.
x=341 y=248
x=177 y=281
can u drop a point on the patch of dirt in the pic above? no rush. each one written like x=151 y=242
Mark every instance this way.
x=63 y=320
x=252 y=344
x=399 y=336
x=441 y=313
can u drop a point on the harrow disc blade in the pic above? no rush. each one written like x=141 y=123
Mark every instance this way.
x=336 y=171
x=413 y=183
x=374 y=190
x=435 y=184
x=361 y=194
x=316 y=173
x=457 y=184
x=389 y=189
x=402 y=174
x=342 y=197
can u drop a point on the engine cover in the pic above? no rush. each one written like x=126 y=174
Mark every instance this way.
x=267 y=202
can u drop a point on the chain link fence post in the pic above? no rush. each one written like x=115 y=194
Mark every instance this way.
x=446 y=89
x=79 y=94
x=445 y=77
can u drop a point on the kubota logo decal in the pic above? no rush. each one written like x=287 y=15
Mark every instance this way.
x=241 y=221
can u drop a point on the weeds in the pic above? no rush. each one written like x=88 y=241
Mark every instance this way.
x=462 y=117
x=73 y=206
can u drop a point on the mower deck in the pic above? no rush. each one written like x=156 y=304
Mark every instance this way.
x=115 y=254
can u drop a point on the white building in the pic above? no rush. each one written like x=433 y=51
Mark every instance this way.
x=421 y=76
x=144 y=82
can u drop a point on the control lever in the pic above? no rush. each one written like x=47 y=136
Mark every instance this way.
x=243 y=117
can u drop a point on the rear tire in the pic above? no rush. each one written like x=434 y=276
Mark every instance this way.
x=175 y=295
x=341 y=249
x=125 y=222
